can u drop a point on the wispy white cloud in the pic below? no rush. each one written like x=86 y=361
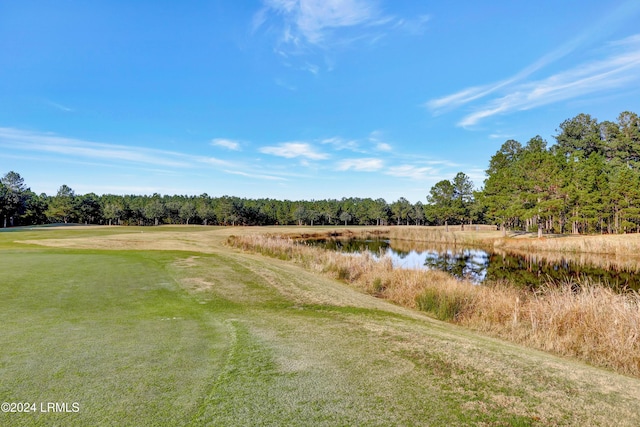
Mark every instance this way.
x=310 y=20
x=229 y=144
x=499 y=135
x=446 y=163
x=97 y=163
x=21 y=140
x=383 y=146
x=371 y=143
x=284 y=84
x=338 y=143
x=414 y=26
x=631 y=41
x=59 y=106
x=361 y=165
x=318 y=29
x=516 y=85
x=259 y=18
x=294 y=149
x=259 y=176
x=614 y=72
x=518 y=92
x=305 y=27
x=460 y=98
x=467 y=95
x=412 y=171
x=312 y=68
x=375 y=138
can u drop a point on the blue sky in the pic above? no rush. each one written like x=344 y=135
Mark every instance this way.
x=298 y=99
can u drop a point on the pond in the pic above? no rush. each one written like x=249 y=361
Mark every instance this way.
x=480 y=265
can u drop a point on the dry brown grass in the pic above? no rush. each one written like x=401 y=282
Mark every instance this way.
x=615 y=244
x=594 y=324
x=472 y=234
x=627 y=245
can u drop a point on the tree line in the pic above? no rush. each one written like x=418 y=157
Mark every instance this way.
x=20 y=206
x=587 y=182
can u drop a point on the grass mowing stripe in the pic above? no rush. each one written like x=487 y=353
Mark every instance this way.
x=111 y=331
x=302 y=370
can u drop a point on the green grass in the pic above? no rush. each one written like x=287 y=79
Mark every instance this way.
x=220 y=337
x=442 y=305
x=111 y=331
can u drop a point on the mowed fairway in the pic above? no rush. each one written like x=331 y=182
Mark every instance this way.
x=168 y=326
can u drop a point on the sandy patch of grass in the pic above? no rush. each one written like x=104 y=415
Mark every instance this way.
x=191 y=261
x=197 y=284
x=200 y=241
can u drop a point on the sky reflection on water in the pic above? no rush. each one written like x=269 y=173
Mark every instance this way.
x=478 y=265
x=470 y=264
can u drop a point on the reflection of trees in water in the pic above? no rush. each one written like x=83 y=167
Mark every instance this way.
x=478 y=266
x=469 y=264
x=374 y=245
x=532 y=271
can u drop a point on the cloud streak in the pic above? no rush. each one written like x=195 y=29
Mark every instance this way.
x=306 y=28
x=22 y=140
x=614 y=72
x=292 y=150
x=361 y=165
x=258 y=176
x=311 y=21
x=471 y=94
x=339 y=144
x=618 y=67
x=226 y=143
x=414 y=26
x=59 y=106
x=412 y=172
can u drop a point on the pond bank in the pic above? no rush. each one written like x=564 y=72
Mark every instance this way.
x=595 y=324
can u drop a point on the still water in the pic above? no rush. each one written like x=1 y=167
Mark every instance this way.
x=479 y=265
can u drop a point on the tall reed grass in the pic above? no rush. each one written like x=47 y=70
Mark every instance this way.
x=469 y=235
x=618 y=244
x=487 y=235
x=590 y=322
